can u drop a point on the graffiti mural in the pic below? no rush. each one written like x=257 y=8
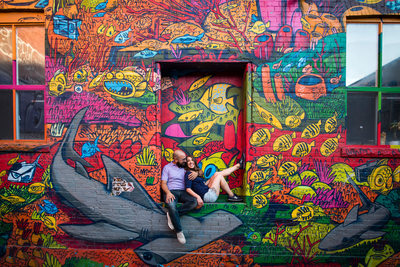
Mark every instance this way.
x=259 y=81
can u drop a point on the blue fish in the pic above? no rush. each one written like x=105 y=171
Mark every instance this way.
x=42 y=4
x=288 y=67
x=146 y=53
x=22 y=172
x=66 y=27
x=99 y=15
x=122 y=37
x=89 y=149
x=101 y=6
x=187 y=39
x=48 y=207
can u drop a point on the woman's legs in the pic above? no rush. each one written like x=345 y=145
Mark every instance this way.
x=217 y=182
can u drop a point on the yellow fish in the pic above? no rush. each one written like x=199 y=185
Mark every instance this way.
x=80 y=76
x=203 y=127
x=329 y=146
x=200 y=140
x=219 y=21
x=50 y=222
x=101 y=29
x=288 y=168
x=13 y=160
x=213 y=46
x=259 y=27
x=331 y=123
x=36 y=188
x=199 y=83
x=215 y=98
x=302 y=149
x=302 y=213
x=261 y=136
x=284 y=142
x=197 y=153
x=190 y=116
x=230 y=6
x=58 y=84
x=168 y=154
x=258 y=176
x=3 y=173
x=312 y=130
x=294 y=120
x=97 y=80
x=268 y=160
x=267 y=116
x=111 y=31
x=260 y=201
x=13 y=199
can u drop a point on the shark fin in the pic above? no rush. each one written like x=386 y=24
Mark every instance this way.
x=99 y=232
x=81 y=170
x=352 y=216
x=371 y=234
x=366 y=202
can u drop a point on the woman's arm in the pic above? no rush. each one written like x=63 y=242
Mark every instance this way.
x=200 y=202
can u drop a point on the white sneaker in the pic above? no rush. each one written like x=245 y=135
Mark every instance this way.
x=170 y=225
x=181 y=237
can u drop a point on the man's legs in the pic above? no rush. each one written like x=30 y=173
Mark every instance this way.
x=188 y=203
x=173 y=211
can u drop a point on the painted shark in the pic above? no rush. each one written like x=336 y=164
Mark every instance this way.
x=130 y=215
x=357 y=228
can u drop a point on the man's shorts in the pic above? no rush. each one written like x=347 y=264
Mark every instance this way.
x=210 y=196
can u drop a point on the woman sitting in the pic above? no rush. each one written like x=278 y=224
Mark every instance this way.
x=208 y=191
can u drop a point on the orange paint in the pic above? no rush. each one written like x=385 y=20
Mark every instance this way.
x=267 y=84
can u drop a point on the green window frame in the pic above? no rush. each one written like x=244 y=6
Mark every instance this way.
x=373 y=81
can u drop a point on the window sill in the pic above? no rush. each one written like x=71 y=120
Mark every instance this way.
x=24 y=146
x=368 y=151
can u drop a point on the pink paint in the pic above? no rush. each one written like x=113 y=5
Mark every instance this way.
x=283 y=38
x=301 y=40
x=281 y=13
x=263 y=46
x=175 y=130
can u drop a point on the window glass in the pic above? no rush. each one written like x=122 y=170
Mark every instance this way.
x=30 y=55
x=390 y=122
x=6 y=118
x=361 y=118
x=361 y=54
x=5 y=55
x=30 y=114
x=391 y=55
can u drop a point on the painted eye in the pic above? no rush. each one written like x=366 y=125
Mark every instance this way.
x=109 y=76
x=209 y=171
x=119 y=75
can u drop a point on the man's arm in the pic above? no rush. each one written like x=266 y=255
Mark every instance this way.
x=169 y=197
x=194 y=174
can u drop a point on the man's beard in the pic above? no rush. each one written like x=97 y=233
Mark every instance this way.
x=181 y=165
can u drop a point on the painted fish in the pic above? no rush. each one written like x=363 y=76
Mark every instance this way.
x=331 y=123
x=168 y=153
x=259 y=27
x=293 y=121
x=287 y=67
x=80 y=76
x=48 y=207
x=190 y=116
x=111 y=31
x=302 y=149
x=97 y=80
x=13 y=160
x=204 y=127
x=42 y=4
x=329 y=146
x=258 y=176
x=261 y=136
x=50 y=222
x=36 y=188
x=13 y=199
x=58 y=84
x=102 y=28
x=215 y=98
x=99 y=15
x=187 y=39
x=312 y=130
x=284 y=142
x=198 y=153
x=214 y=46
x=66 y=27
x=302 y=213
x=267 y=116
x=199 y=83
x=145 y=53
x=101 y=6
x=22 y=172
x=289 y=168
x=3 y=173
x=89 y=149
x=268 y=160
x=302 y=62
x=200 y=140
x=123 y=36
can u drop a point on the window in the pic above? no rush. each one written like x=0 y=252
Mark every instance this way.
x=373 y=81
x=22 y=76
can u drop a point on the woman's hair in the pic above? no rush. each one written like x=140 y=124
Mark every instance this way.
x=196 y=167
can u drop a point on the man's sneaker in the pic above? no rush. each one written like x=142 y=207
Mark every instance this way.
x=181 y=237
x=235 y=198
x=170 y=225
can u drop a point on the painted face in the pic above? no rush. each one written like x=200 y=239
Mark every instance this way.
x=190 y=163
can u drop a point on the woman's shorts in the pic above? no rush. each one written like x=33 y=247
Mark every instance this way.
x=210 y=196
